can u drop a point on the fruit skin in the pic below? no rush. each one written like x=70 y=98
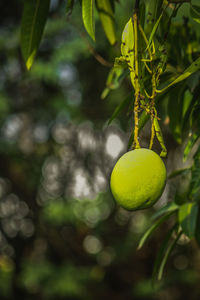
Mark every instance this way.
x=138 y=179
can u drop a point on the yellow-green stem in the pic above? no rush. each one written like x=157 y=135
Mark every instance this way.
x=136 y=80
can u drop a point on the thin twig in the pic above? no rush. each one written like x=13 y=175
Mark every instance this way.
x=96 y=55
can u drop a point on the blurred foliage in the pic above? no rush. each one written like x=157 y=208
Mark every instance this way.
x=61 y=235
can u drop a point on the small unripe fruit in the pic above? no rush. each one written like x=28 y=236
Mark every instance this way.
x=138 y=179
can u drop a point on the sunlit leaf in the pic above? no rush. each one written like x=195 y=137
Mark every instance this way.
x=106 y=15
x=190 y=145
x=34 y=17
x=187 y=217
x=127 y=47
x=88 y=17
x=127 y=42
x=160 y=138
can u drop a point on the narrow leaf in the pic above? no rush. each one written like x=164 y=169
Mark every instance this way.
x=194 y=67
x=130 y=141
x=88 y=17
x=190 y=120
x=121 y=106
x=178 y=172
x=155 y=27
x=161 y=254
x=160 y=138
x=153 y=8
x=197 y=233
x=194 y=193
x=195 y=13
x=69 y=7
x=169 y=207
x=153 y=227
x=34 y=17
x=175 y=112
x=169 y=247
x=106 y=15
x=114 y=79
x=190 y=145
x=187 y=217
x=144 y=117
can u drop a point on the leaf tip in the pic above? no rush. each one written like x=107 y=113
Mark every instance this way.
x=29 y=61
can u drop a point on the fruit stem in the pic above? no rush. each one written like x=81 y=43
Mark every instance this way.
x=136 y=143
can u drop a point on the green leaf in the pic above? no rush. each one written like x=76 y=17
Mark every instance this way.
x=169 y=207
x=178 y=172
x=127 y=46
x=144 y=117
x=155 y=27
x=106 y=15
x=186 y=107
x=153 y=8
x=194 y=67
x=195 y=13
x=164 y=252
x=190 y=100
x=161 y=254
x=187 y=217
x=88 y=17
x=69 y=7
x=194 y=193
x=121 y=106
x=34 y=17
x=130 y=141
x=175 y=107
x=190 y=145
x=114 y=79
x=142 y=13
x=160 y=138
x=197 y=233
x=152 y=228
x=179 y=1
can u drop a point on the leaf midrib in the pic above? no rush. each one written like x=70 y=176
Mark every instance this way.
x=33 y=26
